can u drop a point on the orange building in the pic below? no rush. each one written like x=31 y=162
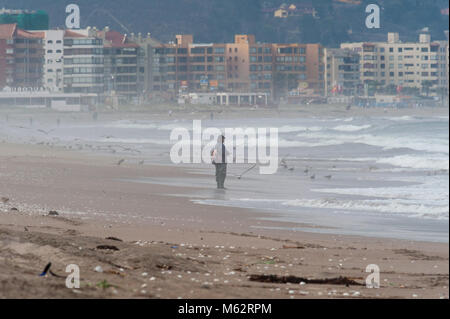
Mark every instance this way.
x=241 y=66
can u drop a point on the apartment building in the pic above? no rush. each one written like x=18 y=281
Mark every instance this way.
x=261 y=57
x=21 y=57
x=342 y=76
x=404 y=64
x=242 y=66
x=83 y=62
x=120 y=64
x=53 y=76
x=183 y=65
x=146 y=44
x=298 y=68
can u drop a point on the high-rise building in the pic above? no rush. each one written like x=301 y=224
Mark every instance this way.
x=120 y=64
x=21 y=57
x=342 y=76
x=83 y=61
x=144 y=63
x=53 y=79
x=298 y=67
x=242 y=66
x=405 y=64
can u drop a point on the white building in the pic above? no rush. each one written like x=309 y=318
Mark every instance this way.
x=406 y=64
x=53 y=60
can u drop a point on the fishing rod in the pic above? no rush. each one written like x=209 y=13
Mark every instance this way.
x=246 y=171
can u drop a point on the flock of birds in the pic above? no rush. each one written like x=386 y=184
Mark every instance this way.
x=111 y=149
x=306 y=171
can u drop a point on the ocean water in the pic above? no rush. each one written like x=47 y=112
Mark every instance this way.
x=372 y=176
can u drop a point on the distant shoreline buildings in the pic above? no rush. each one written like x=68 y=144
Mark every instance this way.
x=121 y=68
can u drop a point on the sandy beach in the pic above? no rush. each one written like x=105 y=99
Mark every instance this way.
x=165 y=246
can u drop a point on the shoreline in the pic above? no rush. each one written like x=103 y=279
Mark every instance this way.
x=37 y=179
x=190 y=112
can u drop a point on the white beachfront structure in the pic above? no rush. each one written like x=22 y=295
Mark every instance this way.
x=28 y=98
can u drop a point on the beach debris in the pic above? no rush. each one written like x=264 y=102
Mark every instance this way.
x=120 y=161
x=4 y=200
x=53 y=213
x=25 y=228
x=328 y=176
x=293 y=247
x=164 y=267
x=113 y=238
x=114 y=272
x=98 y=269
x=109 y=247
x=141 y=162
x=46 y=269
x=13 y=209
x=297 y=280
x=313 y=176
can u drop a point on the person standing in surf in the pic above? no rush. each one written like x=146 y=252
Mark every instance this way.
x=219 y=159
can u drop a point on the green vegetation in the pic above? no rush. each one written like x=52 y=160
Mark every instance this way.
x=219 y=20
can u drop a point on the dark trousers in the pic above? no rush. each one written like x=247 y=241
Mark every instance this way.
x=221 y=173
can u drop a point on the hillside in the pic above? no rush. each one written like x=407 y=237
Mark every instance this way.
x=219 y=20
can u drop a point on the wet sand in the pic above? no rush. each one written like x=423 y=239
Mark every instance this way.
x=172 y=247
